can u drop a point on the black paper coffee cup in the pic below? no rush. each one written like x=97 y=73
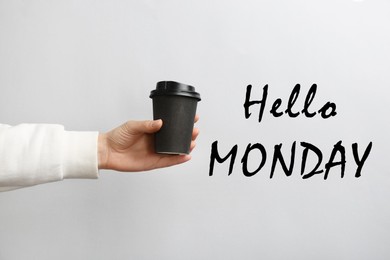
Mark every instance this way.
x=175 y=103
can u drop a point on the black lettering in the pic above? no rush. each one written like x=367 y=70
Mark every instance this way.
x=292 y=99
x=307 y=147
x=278 y=156
x=309 y=98
x=275 y=106
x=249 y=103
x=361 y=162
x=215 y=156
x=337 y=148
x=244 y=159
x=325 y=108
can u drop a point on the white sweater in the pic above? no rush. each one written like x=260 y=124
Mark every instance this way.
x=32 y=154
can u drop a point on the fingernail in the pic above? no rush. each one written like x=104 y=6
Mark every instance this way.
x=156 y=123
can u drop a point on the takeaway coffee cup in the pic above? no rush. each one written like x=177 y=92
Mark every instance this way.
x=175 y=103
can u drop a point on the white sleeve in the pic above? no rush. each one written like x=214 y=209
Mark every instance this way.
x=32 y=154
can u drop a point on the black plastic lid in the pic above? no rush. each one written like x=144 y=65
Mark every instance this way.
x=173 y=88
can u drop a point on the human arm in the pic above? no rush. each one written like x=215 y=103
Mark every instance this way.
x=32 y=154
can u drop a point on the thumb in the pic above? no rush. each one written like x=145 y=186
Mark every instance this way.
x=149 y=126
x=140 y=127
x=154 y=126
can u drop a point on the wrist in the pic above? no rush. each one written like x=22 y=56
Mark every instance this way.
x=102 y=151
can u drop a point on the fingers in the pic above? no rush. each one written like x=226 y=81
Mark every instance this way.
x=169 y=160
x=195 y=133
x=146 y=126
x=181 y=159
x=196 y=118
x=193 y=144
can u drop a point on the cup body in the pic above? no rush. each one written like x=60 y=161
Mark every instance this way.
x=175 y=103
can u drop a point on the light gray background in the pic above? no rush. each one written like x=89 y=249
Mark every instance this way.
x=90 y=65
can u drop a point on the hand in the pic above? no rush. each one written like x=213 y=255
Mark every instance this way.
x=130 y=148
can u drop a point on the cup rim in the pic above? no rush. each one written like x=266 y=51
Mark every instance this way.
x=174 y=88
